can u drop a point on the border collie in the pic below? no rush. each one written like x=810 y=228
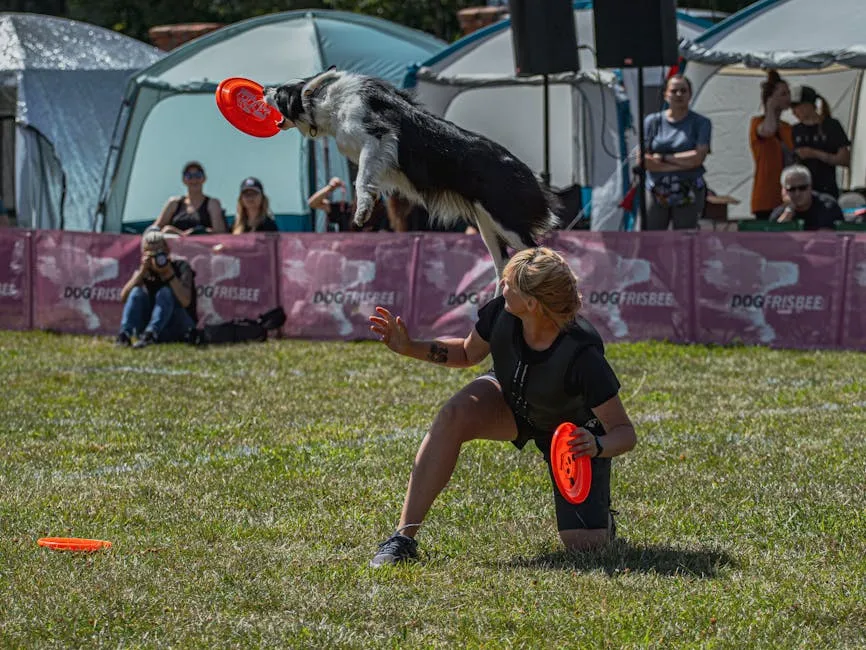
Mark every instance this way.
x=400 y=148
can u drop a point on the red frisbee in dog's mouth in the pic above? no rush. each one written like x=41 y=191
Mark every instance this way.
x=573 y=474
x=242 y=103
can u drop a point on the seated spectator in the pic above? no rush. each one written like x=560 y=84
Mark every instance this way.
x=159 y=297
x=820 y=140
x=340 y=213
x=772 y=144
x=193 y=213
x=253 y=211
x=817 y=211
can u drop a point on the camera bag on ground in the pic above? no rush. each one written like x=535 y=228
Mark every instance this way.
x=240 y=330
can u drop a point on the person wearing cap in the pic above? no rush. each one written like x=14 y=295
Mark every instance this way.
x=253 y=211
x=817 y=211
x=820 y=141
x=194 y=212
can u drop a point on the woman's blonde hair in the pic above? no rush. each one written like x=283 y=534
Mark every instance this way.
x=543 y=274
x=242 y=218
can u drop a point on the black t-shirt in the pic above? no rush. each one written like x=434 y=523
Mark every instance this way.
x=182 y=270
x=829 y=136
x=823 y=213
x=265 y=225
x=589 y=375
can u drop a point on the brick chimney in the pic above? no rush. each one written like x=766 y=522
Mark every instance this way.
x=474 y=18
x=168 y=37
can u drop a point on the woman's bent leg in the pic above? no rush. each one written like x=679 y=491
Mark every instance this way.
x=477 y=411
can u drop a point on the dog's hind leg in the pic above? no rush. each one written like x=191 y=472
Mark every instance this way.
x=494 y=244
x=376 y=156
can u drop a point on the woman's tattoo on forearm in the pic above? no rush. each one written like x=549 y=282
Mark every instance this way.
x=438 y=353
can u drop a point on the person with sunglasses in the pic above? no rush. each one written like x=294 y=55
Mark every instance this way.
x=193 y=213
x=817 y=211
x=676 y=144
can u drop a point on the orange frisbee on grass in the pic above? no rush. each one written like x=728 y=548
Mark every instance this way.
x=73 y=544
x=573 y=474
x=242 y=103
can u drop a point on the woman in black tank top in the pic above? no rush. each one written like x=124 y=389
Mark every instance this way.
x=194 y=212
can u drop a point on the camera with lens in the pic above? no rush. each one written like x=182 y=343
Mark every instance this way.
x=160 y=259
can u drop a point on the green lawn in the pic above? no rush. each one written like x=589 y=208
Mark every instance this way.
x=245 y=489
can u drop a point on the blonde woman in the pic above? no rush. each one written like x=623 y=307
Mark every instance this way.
x=253 y=211
x=548 y=367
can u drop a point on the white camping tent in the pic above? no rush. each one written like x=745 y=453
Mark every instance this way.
x=473 y=84
x=173 y=115
x=61 y=87
x=822 y=44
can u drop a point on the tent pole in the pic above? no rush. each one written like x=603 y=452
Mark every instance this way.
x=545 y=174
x=640 y=136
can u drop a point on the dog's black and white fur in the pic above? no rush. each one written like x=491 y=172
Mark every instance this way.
x=401 y=148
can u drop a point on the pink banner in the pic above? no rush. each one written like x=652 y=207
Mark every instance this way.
x=634 y=287
x=854 y=309
x=454 y=277
x=779 y=289
x=77 y=280
x=331 y=283
x=235 y=275
x=15 y=279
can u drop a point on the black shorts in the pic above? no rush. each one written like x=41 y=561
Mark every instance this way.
x=594 y=512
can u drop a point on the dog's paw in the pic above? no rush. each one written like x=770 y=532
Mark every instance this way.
x=364 y=210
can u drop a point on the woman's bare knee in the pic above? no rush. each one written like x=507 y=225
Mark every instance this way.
x=584 y=539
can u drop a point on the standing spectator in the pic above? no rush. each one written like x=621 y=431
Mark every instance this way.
x=772 y=145
x=159 y=297
x=817 y=211
x=677 y=143
x=193 y=213
x=253 y=211
x=820 y=142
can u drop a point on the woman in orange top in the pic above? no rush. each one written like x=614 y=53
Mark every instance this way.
x=772 y=145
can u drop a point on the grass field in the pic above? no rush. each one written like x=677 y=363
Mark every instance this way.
x=245 y=489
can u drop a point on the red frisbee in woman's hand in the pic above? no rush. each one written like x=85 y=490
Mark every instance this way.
x=73 y=544
x=242 y=103
x=573 y=474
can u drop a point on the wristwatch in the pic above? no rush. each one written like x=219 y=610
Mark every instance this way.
x=598 y=447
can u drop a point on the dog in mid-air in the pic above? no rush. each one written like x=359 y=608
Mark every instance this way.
x=402 y=149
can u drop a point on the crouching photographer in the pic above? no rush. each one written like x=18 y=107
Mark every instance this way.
x=159 y=299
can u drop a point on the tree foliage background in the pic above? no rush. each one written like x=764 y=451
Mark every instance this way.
x=135 y=17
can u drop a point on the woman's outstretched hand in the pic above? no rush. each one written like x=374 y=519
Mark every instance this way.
x=390 y=330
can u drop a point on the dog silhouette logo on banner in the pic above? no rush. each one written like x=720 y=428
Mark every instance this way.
x=76 y=275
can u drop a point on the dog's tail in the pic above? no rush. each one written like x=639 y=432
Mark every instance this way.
x=549 y=220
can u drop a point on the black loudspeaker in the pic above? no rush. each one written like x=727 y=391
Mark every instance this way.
x=544 y=37
x=635 y=33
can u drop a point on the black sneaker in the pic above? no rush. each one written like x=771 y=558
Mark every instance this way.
x=123 y=340
x=146 y=339
x=395 y=549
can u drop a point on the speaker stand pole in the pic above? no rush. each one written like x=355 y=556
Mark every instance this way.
x=545 y=175
x=640 y=136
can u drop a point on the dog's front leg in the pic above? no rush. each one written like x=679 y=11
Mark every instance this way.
x=374 y=159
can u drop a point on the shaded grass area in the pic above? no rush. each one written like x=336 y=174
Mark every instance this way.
x=245 y=489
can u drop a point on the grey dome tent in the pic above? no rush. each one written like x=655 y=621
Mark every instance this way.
x=173 y=115
x=61 y=86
